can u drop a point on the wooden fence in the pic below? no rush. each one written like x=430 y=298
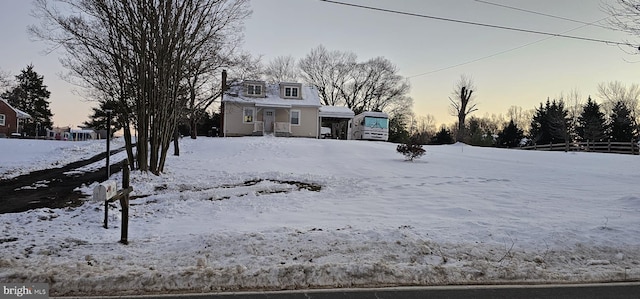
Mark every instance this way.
x=628 y=147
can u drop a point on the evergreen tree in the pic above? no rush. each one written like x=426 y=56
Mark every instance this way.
x=621 y=123
x=591 y=122
x=98 y=120
x=31 y=96
x=550 y=123
x=398 y=129
x=510 y=136
x=442 y=137
x=539 y=125
x=411 y=150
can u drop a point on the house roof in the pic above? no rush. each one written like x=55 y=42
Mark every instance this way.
x=309 y=97
x=336 y=111
x=19 y=113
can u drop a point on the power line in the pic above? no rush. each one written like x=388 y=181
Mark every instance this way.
x=478 y=24
x=501 y=52
x=543 y=14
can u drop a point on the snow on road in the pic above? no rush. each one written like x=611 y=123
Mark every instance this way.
x=287 y=213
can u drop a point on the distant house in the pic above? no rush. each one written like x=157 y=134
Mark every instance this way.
x=82 y=134
x=57 y=133
x=11 y=119
x=70 y=134
x=261 y=108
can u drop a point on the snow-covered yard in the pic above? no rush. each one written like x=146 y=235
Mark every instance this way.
x=286 y=213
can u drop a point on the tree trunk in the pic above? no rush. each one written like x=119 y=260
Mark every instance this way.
x=176 y=146
x=193 y=125
x=129 y=146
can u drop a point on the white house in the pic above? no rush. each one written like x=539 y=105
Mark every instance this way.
x=261 y=108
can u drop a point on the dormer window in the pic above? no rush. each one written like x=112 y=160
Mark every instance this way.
x=254 y=88
x=290 y=90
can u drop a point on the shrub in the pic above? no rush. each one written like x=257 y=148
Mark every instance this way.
x=410 y=150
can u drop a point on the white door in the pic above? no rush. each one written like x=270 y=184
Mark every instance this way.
x=269 y=117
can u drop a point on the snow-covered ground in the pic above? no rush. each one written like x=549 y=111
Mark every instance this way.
x=21 y=156
x=287 y=213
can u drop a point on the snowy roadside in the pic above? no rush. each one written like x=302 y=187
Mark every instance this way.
x=277 y=213
x=21 y=156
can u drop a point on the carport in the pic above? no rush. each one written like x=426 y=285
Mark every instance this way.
x=336 y=120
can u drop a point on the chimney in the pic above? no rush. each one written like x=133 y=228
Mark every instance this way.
x=224 y=81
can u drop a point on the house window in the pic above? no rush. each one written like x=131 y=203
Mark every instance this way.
x=248 y=114
x=254 y=90
x=2 y=118
x=295 y=117
x=291 y=92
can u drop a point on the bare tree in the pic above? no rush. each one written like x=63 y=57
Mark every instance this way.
x=625 y=16
x=373 y=85
x=5 y=80
x=327 y=71
x=424 y=128
x=521 y=118
x=245 y=67
x=573 y=102
x=150 y=45
x=616 y=91
x=426 y=124
x=282 y=69
x=462 y=104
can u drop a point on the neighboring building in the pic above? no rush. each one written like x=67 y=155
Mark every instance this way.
x=57 y=133
x=82 y=134
x=67 y=133
x=260 y=108
x=11 y=119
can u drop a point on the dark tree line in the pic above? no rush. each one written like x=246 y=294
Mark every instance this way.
x=551 y=124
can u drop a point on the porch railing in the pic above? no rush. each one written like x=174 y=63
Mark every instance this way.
x=258 y=126
x=282 y=127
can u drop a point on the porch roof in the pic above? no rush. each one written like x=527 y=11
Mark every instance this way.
x=273 y=105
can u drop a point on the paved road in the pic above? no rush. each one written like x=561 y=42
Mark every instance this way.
x=577 y=291
x=59 y=191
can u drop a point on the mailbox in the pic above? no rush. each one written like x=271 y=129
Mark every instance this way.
x=105 y=191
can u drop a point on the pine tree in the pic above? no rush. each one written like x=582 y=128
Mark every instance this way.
x=98 y=120
x=621 y=123
x=31 y=96
x=442 y=137
x=539 y=125
x=398 y=129
x=591 y=122
x=510 y=136
x=411 y=150
x=550 y=123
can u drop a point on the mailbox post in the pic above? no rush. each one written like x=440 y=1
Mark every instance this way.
x=106 y=203
x=109 y=192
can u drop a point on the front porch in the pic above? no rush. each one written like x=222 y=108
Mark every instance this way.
x=278 y=129
x=272 y=120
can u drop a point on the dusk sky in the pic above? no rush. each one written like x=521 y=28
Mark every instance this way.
x=508 y=67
